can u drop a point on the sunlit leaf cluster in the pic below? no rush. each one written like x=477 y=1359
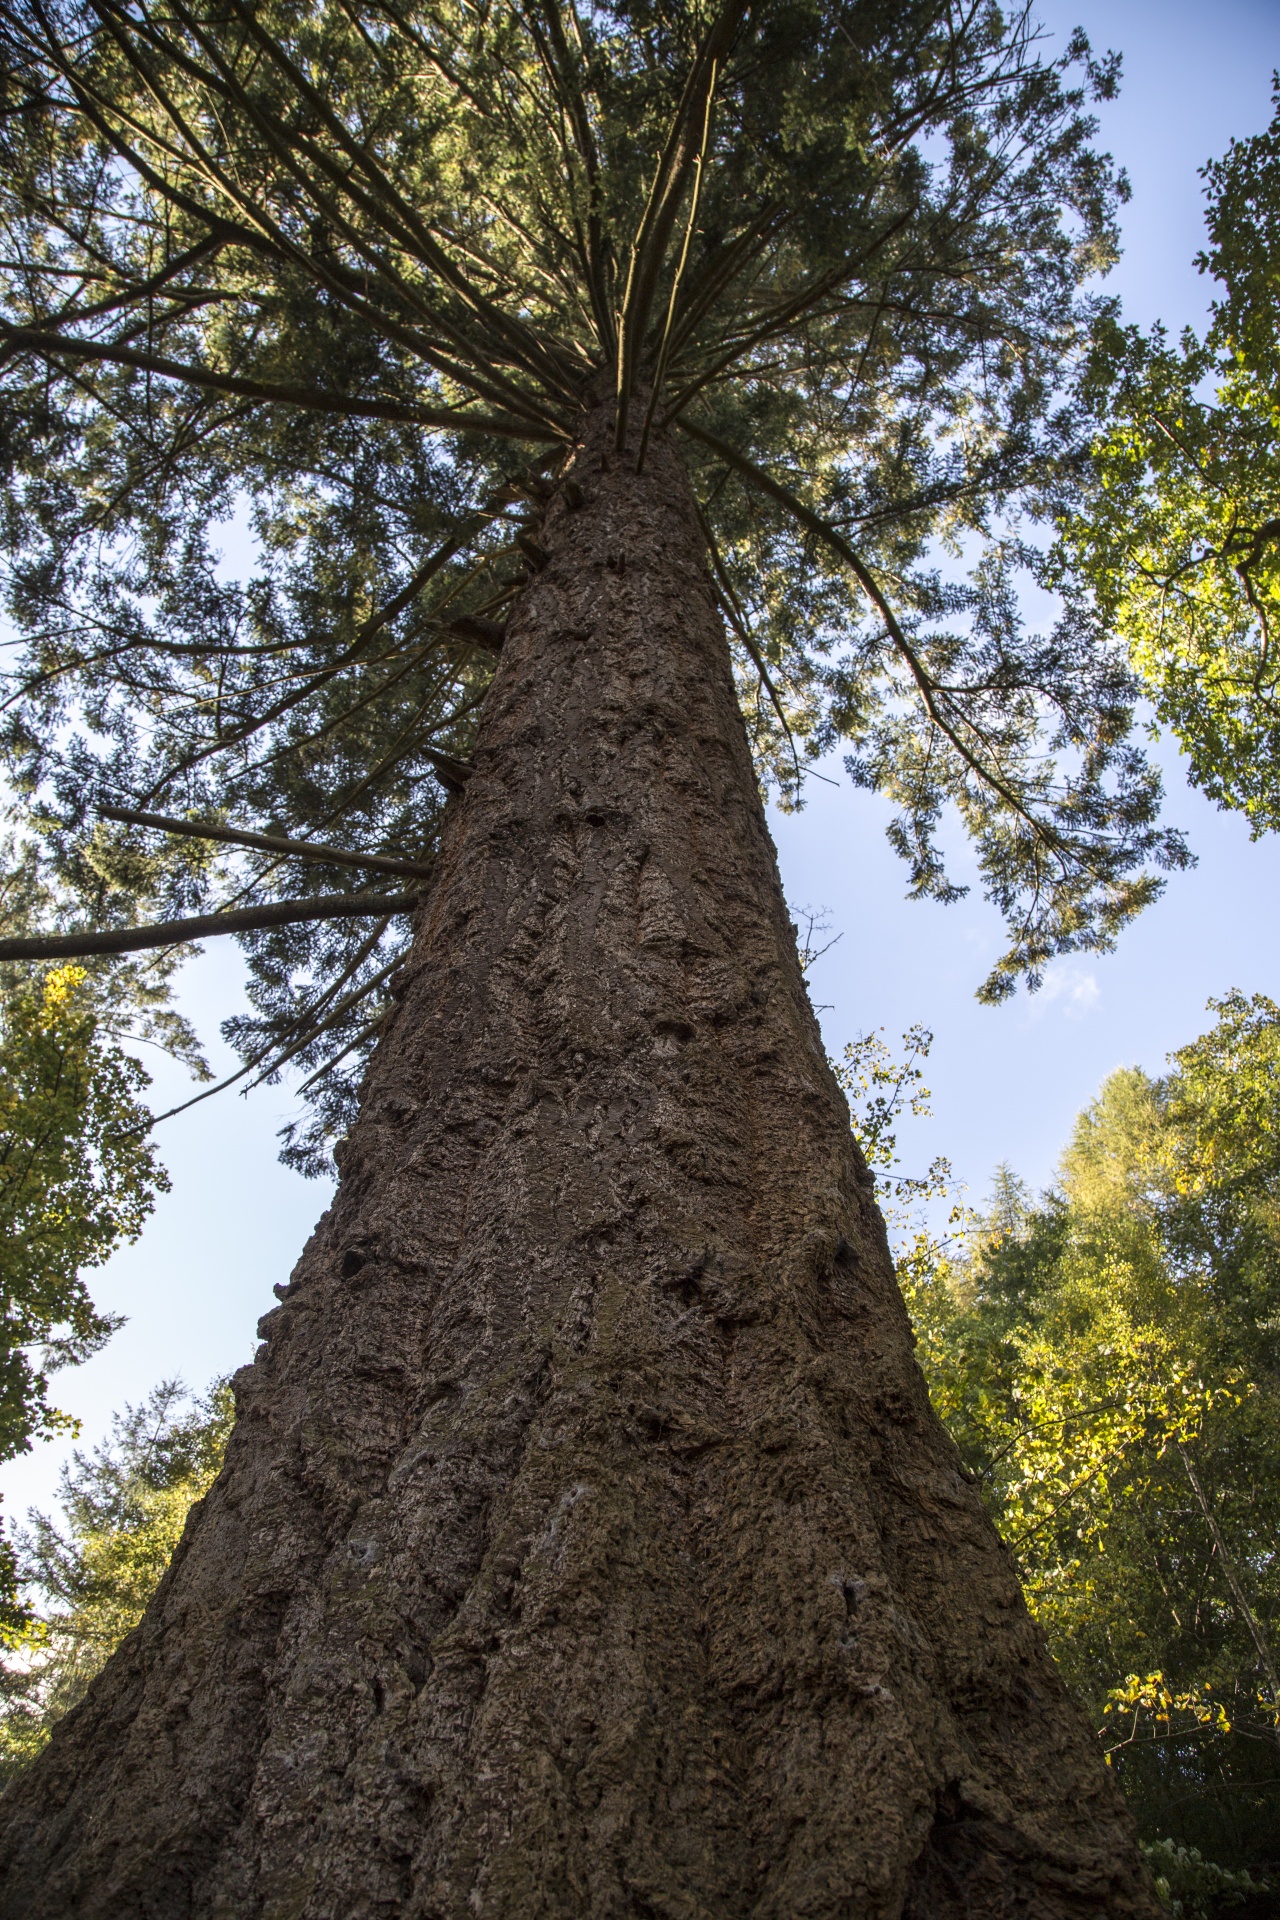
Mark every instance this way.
x=1107 y=1357
x=1178 y=538
x=78 y=1175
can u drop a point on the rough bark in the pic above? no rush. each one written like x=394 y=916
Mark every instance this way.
x=586 y=1545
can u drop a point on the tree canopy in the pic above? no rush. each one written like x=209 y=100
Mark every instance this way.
x=77 y=1176
x=344 y=279
x=1178 y=538
x=124 y=1506
x=1107 y=1356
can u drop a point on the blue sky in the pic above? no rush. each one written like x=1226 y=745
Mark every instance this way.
x=1007 y=1081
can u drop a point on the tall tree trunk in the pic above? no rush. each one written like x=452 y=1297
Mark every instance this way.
x=586 y=1546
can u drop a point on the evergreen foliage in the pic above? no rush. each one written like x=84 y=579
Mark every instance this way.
x=124 y=1507
x=347 y=277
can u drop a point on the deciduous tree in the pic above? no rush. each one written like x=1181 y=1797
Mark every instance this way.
x=1106 y=1357
x=77 y=1176
x=1178 y=540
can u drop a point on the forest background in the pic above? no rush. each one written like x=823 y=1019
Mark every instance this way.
x=1007 y=1082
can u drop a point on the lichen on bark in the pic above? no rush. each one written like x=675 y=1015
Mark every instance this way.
x=586 y=1544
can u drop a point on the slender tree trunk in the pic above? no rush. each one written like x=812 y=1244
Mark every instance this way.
x=1244 y=1612
x=587 y=1548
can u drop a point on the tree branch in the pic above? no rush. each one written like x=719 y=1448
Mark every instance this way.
x=559 y=65
x=175 y=933
x=832 y=538
x=738 y=618
x=664 y=348
x=315 y=399
x=271 y=843
x=534 y=353
x=679 y=155
x=408 y=593
x=1266 y=1659
x=304 y=1020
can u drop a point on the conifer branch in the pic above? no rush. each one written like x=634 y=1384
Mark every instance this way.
x=365 y=1033
x=649 y=249
x=270 y=843
x=201 y=926
x=534 y=353
x=304 y=1020
x=54 y=346
x=558 y=62
x=780 y=318
x=722 y=269
x=145 y=289
x=738 y=620
x=832 y=538
x=476 y=354
x=315 y=1028
x=264 y=234
x=391 y=611
x=664 y=348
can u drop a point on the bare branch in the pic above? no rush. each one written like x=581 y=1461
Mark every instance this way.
x=679 y=155
x=175 y=933
x=271 y=843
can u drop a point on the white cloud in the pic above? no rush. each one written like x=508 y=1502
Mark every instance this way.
x=1071 y=988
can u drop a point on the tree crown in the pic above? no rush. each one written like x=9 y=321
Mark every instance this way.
x=1106 y=1356
x=352 y=273
x=1177 y=537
